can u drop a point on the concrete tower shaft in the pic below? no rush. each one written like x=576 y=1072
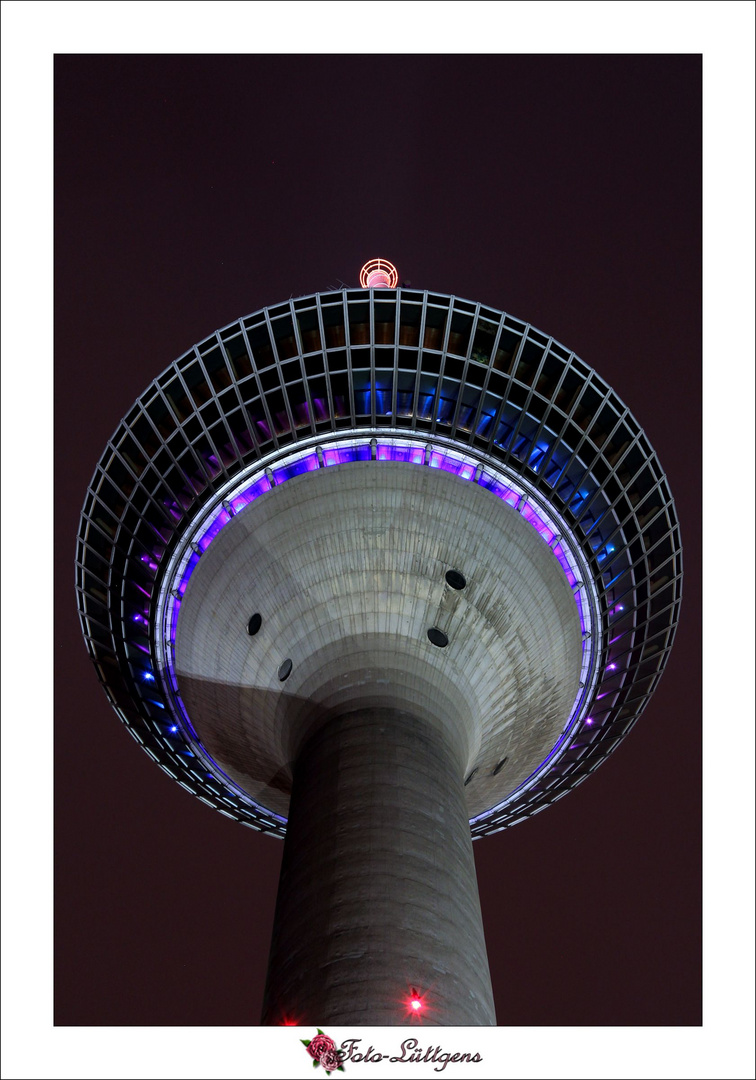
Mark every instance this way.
x=378 y=892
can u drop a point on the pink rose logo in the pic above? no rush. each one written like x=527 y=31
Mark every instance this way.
x=319 y=1045
x=323 y=1049
x=331 y=1061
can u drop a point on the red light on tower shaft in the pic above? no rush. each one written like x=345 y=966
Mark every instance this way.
x=415 y=1003
x=379 y=274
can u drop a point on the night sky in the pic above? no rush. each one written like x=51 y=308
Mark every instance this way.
x=191 y=190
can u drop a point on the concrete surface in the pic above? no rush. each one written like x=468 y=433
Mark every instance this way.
x=346 y=566
x=378 y=894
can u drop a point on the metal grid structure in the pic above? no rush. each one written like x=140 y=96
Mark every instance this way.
x=391 y=367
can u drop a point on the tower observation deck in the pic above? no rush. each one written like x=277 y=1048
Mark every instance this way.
x=381 y=571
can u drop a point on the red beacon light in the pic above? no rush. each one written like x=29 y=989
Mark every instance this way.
x=415 y=1001
x=379 y=274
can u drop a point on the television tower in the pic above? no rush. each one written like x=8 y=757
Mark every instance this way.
x=383 y=571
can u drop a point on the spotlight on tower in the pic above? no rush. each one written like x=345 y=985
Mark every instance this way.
x=379 y=274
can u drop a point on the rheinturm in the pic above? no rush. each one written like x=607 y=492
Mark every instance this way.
x=380 y=571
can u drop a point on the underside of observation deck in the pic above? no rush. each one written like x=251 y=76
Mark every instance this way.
x=378 y=364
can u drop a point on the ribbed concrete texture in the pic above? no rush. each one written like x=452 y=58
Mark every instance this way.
x=346 y=567
x=378 y=894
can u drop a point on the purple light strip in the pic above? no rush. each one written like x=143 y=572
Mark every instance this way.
x=449 y=462
x=415 y=454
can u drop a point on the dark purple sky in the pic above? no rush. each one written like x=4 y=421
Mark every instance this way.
x=192 y=190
